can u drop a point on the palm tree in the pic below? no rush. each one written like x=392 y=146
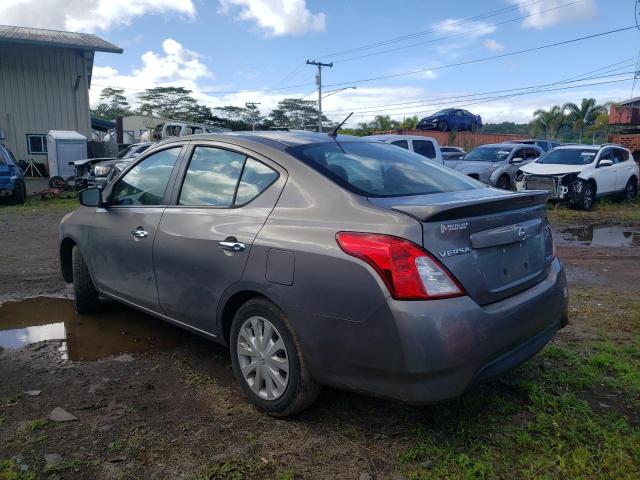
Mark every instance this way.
x=585 y=115
x=548 y=122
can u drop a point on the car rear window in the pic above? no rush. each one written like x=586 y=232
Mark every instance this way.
x=380 y=170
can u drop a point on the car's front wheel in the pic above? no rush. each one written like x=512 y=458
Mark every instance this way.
x=503 y=183
x=267 y=361
x=588 y=196
x=443 y=126
x=87 y=299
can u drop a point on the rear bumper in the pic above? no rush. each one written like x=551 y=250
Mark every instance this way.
x=423 y=352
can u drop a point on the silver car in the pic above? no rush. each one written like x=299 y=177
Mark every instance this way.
x=496 y=164
x=323 y=260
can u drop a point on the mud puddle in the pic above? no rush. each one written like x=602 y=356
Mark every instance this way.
x=602 y=235
x=117 y=329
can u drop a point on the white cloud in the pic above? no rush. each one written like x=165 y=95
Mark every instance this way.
x=546 y=13
x=277 y=17
x=469 y=29
x=87 y=15
x=492 y=45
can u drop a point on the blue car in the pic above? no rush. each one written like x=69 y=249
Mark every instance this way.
x=451 y=119
x=11 y=177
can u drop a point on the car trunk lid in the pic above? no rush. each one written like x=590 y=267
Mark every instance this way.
x=495 y=243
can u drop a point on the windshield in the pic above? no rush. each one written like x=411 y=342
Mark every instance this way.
x=380 y=170
x=489 y=154
x=568 y=156
x=122 y=153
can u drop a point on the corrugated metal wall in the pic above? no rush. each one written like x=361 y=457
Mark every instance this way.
x=37 y=94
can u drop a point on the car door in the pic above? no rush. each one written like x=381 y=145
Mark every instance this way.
x=606 y=175
x=625 y=167
x=122 y=233
x=222 y=199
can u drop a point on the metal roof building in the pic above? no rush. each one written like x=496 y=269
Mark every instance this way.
x=45 y=76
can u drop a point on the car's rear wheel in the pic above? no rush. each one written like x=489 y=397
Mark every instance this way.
x=56 y=182
x=588 y=196
x=503 y=182
x=87 y=299
x=267 y=360
x=443 y=126
x=630 y=190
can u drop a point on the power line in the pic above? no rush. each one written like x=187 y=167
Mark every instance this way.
x=431 y=30
x=433 y=40
x=484 y=59
x=413 y=72
x=500 y=97
x=418 y=102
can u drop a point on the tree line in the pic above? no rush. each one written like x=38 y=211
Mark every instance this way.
x=177 y=103
x=567 y=122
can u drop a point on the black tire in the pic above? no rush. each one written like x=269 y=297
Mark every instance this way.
x=503 y=183
x=443 y=126
x=87 y=299
x=19 y=194
x=301 y=391
x=630 y=190
x=588 y=197
x=57 y=182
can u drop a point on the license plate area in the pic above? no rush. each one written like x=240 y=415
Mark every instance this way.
x=505 y=266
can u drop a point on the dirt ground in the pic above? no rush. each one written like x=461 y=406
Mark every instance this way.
x=151 y=401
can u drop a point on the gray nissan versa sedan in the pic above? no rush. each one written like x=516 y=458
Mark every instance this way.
x=323 y=260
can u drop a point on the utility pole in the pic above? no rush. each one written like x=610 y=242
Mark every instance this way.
x=251 y=106
x=319 y=82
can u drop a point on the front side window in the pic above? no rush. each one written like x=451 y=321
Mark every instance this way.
x=146 y=183
x=620 y=155
x=379 y=169
x=424 y=148
x=568 y=156
x=37 y=144
x=489 y=154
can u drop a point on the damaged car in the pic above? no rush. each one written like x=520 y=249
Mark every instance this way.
x=495 y=164
x=581 y=174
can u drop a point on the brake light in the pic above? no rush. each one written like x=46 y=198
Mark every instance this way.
x=409 y=272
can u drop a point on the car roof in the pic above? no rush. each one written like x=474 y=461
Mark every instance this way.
x=280 y=139
x=383 y=137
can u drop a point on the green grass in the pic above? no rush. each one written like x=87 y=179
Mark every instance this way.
x=562 y=415
x=605 y=210
x=74 y=465
x=9 y=470
x=233 y=469
x=36 y=206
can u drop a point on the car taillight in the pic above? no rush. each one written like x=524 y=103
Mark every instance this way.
x=409 y=272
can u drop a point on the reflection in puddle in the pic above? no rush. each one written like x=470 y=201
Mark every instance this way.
x=118 y=329
x=604 y=235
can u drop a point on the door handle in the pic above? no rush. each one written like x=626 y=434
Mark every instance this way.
x=232 y=244
x=139 y=233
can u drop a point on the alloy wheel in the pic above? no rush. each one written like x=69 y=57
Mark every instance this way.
x=263 y=358
x=630 y=191
x=587 y=197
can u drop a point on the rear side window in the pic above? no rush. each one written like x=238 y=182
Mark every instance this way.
x=146 y=183
x=424 y=148
x=379 y=169
x=620 y=155
x=221 y=178
x=256 y=178
x=212 y=176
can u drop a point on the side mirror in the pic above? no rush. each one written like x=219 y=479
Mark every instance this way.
x=91 y=197
x=605 y=162
x=517 y=160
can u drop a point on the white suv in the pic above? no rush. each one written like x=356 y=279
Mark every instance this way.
x=579 y=174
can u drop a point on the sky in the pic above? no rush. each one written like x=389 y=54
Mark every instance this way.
x=229 y=52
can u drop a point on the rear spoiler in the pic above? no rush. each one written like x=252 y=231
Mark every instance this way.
x=475 y=207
